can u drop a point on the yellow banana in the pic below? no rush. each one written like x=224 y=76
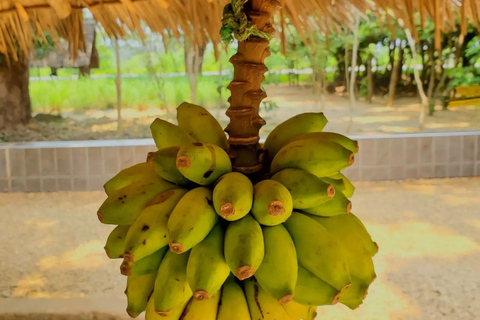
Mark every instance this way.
x=115 y=245
x=261 y=304
x=201 y=125
x=202 y=309
x=171 y=286
x=297 y=311
x=317 y=251
x=313 y=291
x=272 y=203
x=207 y=269
x=139 y=172
x=349 y=189
x=147 y=265
x=233 y=304
x=244 y=247
x=191 y=220
x=139 y=290
x=317 y=156
x=359 y=227
x=302 y=123
x=338 y=205
x=279 y=251
x=167 y=134
x=306 y=189
x=165 y=163
x=123 y=206
x=342 y=140
x=203 y=163
x=175 y=314
x=149 y=231
x=233 y=203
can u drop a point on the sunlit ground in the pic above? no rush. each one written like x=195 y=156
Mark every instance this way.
x=428 y=232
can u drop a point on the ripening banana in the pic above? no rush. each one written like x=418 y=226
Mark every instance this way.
x=203 y=163
x=313 y=291
x=123 y=206
x=302 y=123
x=338 y=205
x=306 y=189
x=165 y=163
x=359 y=227
x=338 y=184
x=149 y=231
x=317 y=251
x=201 y=125
x=171 y=286
x=279 y=251
x=353 y=297
x=233 y=304
x=175 y=314
x=207 y=269
x=139 y=290
x=191 y=220
x=297 y=311
x=244 y=247
x=115 y=245
x=349 y=189
x=167 y=134
x=342 y=140
x=202 y=309
x=261 y=304
x=147 y=265
x=233 y=203
x=319 y=157
x=139 y=172
x=272 y=203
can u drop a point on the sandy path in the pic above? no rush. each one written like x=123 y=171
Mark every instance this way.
x=428 y=230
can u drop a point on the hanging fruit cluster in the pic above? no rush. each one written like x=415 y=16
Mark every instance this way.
x=199 y=241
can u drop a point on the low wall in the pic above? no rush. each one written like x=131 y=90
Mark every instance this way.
x=86 y=165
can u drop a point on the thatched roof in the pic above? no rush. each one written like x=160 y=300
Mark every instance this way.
x=23 y=20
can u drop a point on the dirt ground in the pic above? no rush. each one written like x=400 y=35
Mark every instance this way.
x=53 y=266
x=367 y=118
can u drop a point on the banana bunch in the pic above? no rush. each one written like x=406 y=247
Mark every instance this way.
x=199 y=241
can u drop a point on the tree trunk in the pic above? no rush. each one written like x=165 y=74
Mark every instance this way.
x=193 y=66
x=118 y=85
x=369 y=78
x=246 y=91
x=353 y=73
x=396 y=73
x=15 y=104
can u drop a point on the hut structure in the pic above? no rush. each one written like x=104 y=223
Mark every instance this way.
x=23 y=21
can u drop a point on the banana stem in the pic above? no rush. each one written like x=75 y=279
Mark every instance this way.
x=246 y=91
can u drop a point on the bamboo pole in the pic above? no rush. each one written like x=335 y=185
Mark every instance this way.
x=246 y=91
x=353 y=73
x=118 y=85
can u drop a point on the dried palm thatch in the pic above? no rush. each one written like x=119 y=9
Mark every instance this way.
x=23 y=21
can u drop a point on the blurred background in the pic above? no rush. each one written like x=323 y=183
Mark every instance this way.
x=407 y=90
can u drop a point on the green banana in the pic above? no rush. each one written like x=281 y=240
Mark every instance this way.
x=272 y=203
x=317 y=251
x=279 y=251
x=306 y=189
x=342 y=140
x=167 y=134
x=171 y=285
x=319 y=157
x=261 y=304
x=115 y=245
x=139 y=290
x=349 y=188
x=202 y=309
x=338 y=184
x=149 y=231
x=244 y=247
x=302 y=123
x=313 y=291
x=139 y=172
x=207 y=269
x=147 y=265
x=201 y=125
x=359 y=227
x=191 y=220
x=233 y=304
x=165 y=165
x=297 y=311
x=354 y=296
x=123 y=206
x=338 y=205
x=175 y=314
x=233 y=203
